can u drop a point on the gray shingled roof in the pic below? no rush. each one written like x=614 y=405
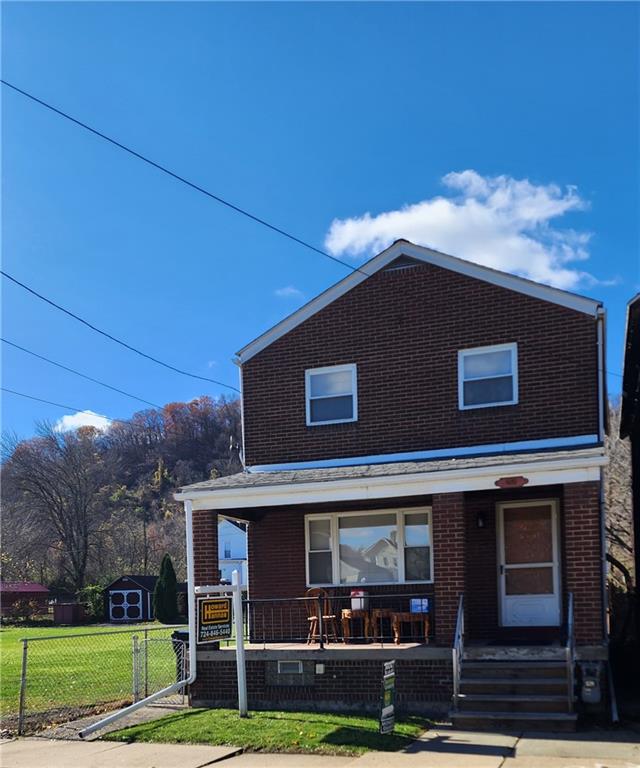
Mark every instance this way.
x=250 y=479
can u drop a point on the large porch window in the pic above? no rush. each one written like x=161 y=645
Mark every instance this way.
x=385 y=547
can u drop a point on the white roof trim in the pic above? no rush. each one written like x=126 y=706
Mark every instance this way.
x=428 y=255
x=552 y=472
x=556 y=443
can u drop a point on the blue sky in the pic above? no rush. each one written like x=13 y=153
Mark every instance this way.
x=512 y=127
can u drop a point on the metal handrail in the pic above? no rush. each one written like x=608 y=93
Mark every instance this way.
x=570 y=653
x=457 y=651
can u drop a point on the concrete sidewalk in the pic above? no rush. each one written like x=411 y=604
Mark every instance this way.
x=55 y=753
x=447 y=748
x=438 y=748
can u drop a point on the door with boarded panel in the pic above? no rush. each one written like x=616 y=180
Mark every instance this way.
x=529 y=568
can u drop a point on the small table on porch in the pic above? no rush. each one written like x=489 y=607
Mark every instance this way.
x=406 y=617
x=377 y=615
x=347 y=616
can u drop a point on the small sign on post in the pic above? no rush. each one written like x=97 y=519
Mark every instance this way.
x=214 y=619
x=387 y=709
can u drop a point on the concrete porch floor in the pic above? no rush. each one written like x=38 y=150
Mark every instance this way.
x=384 y=651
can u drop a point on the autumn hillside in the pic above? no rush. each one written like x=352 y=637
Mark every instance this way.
x=84 y=507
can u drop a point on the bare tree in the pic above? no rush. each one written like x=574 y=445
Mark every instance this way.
x=59 y=476
x=619 y=516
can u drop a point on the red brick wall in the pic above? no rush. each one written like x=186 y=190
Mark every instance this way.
x=276 y=554
x=205 y=547
x=403 y=329
x=421 y=685
x=481 y=588
x=582 y=563
x=449 y=561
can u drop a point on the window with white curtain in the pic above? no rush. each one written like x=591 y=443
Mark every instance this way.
x=488 y=376
x=331 y=394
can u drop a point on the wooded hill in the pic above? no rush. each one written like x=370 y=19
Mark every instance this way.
x=84 y=507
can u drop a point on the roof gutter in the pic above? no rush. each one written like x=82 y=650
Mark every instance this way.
x=191 y=597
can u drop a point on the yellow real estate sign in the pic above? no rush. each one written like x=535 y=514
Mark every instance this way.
x=214 y=619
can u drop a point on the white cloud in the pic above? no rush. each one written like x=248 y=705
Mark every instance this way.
x=497 y=221
x=289 y=291
x=82 y=419
x=211 y=363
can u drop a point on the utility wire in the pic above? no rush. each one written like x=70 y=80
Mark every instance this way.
x=198 y=188
x=58 y=405
x=177 y=177
x=77 y=373
x=113 y=338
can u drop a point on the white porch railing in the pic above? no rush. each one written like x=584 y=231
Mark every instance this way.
x=457 y=651
x=570 y=653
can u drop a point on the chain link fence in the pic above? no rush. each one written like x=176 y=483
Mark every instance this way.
x=66 y=677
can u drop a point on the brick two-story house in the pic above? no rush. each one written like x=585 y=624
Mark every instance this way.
x=426 y=428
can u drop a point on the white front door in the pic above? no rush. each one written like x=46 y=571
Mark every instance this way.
x=529 y=564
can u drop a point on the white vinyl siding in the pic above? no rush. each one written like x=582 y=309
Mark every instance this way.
x=331 y=395
x=373 y=547
x=488 y=376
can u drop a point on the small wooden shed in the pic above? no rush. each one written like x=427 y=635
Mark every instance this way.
x=130 y=598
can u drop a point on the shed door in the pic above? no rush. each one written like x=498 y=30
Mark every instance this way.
x=528 y=557
x=125 y=604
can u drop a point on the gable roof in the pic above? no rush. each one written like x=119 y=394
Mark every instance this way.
x=427 y=255
x=146 y=582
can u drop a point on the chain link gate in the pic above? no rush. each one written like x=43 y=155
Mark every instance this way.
x=157 y=663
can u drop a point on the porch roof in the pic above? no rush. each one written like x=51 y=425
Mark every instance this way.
x=408 y=477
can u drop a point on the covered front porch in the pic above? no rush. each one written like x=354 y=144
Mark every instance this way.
x=380 y=554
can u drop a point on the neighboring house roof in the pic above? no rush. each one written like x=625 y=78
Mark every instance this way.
x=144 y=582
x=328 y=474
x=22 y=586
x=630 y=412
x=419 y=253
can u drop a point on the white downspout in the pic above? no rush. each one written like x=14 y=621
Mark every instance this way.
x=601 y=435
x=191 y=603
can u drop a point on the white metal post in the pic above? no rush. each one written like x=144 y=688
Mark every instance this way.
x=135 y=655
x=240 y=662
x=23 y=687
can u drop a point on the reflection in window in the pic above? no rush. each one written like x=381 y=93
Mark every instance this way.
x=366 y=542
x=383 y=547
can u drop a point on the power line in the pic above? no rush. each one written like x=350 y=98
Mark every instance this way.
x=178 y=177
x=58 y=405
x=198 y=188
x=113 y=338
x=77 y=373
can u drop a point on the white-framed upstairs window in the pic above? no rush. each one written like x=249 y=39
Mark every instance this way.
x=488 y=376
x=374 y=547
x=331 y=394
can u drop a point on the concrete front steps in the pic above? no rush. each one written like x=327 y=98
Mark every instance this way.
x=513 y=694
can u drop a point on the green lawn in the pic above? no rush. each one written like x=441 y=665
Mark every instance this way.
x=309 y=732
x=77 y=671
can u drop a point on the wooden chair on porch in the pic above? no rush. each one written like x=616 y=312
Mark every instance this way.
x=321 y=605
